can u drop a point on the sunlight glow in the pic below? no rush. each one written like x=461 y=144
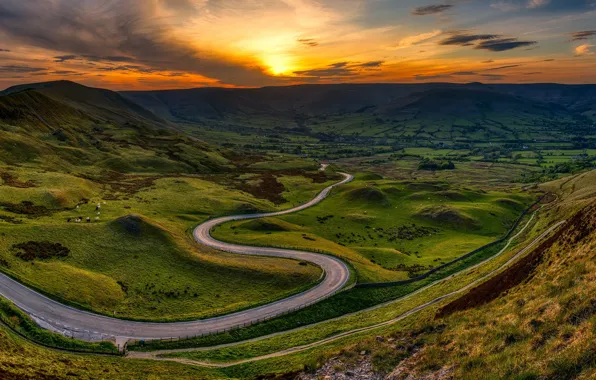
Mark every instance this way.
x=278 y=64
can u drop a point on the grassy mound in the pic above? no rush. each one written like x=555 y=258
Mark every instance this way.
x=428 y=186
x=369 y=176
x=135 y=225
x=509 y=203
x=448 y=215
x=269 y=225
x=246 y=208
x=360 y=218
x=370 y=195
x=453 y=195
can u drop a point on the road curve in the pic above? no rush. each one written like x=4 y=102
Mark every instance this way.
x=157 y=355
x=80 y=324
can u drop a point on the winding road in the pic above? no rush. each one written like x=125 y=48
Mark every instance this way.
x=158 y=355
x=84 y=325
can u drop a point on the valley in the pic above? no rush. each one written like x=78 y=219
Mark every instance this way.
x=208 y=211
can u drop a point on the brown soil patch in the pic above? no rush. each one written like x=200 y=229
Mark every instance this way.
x=10 y=219
x=42 y=250
x=267 y=188
x=574 y=231
x=11 y=180
x=118 y=184
x=26 y=208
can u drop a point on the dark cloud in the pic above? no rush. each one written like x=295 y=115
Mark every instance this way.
x=503 y=44
x=549 y=60
x=584 y=35
x=125 y=31
x=308 y=42
x=493 y=76
x=112 y=58
x=467 y=39
x=338 y=65
x=64 y=58
x=431 y=9
x=135 y=68
x=4 y=51
x=464 y=73
x=20 y=69
x=502 y=67
x=370 y=64
x=491 y=42
x=65 y=72
x=341 y=69
x=487 y=61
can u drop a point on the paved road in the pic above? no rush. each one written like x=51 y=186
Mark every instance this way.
x=157 y=355
x=88 y=326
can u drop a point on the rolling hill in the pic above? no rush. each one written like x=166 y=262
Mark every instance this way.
x=65 y=125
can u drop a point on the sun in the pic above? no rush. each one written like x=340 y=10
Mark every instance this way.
x=278 y=64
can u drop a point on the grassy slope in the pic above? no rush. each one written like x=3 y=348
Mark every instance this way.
x=42 y=129
x=356 y=223
x=64 y=145
x=176 y=280
x=24 y=360
x=542 y=327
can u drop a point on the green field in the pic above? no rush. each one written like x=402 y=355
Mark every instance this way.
x=390 y=230
x=144 y=223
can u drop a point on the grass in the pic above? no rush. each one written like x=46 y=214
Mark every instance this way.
x=350 y=301
x=532 y=331
x=173 y=280
x=390 y=230
x=330 y=328
x=18 y=321
x=24 y=360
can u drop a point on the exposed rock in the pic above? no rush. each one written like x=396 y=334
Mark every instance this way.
x=335 y=369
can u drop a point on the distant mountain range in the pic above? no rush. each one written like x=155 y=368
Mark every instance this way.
x=144 y=130
x=315 y=100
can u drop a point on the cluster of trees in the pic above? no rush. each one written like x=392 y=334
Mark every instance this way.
x=570 y=167
x=430 y=164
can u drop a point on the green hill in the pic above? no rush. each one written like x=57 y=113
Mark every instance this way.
x=65 y=125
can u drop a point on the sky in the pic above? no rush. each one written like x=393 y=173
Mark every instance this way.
x=160 y=44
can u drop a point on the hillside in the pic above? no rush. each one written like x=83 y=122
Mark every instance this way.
x=369 y=115
x=69 y=125
x=317 y=100
x=534 y=320
x=100 y=103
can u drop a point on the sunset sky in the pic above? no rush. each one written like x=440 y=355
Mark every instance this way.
x=156 y=44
